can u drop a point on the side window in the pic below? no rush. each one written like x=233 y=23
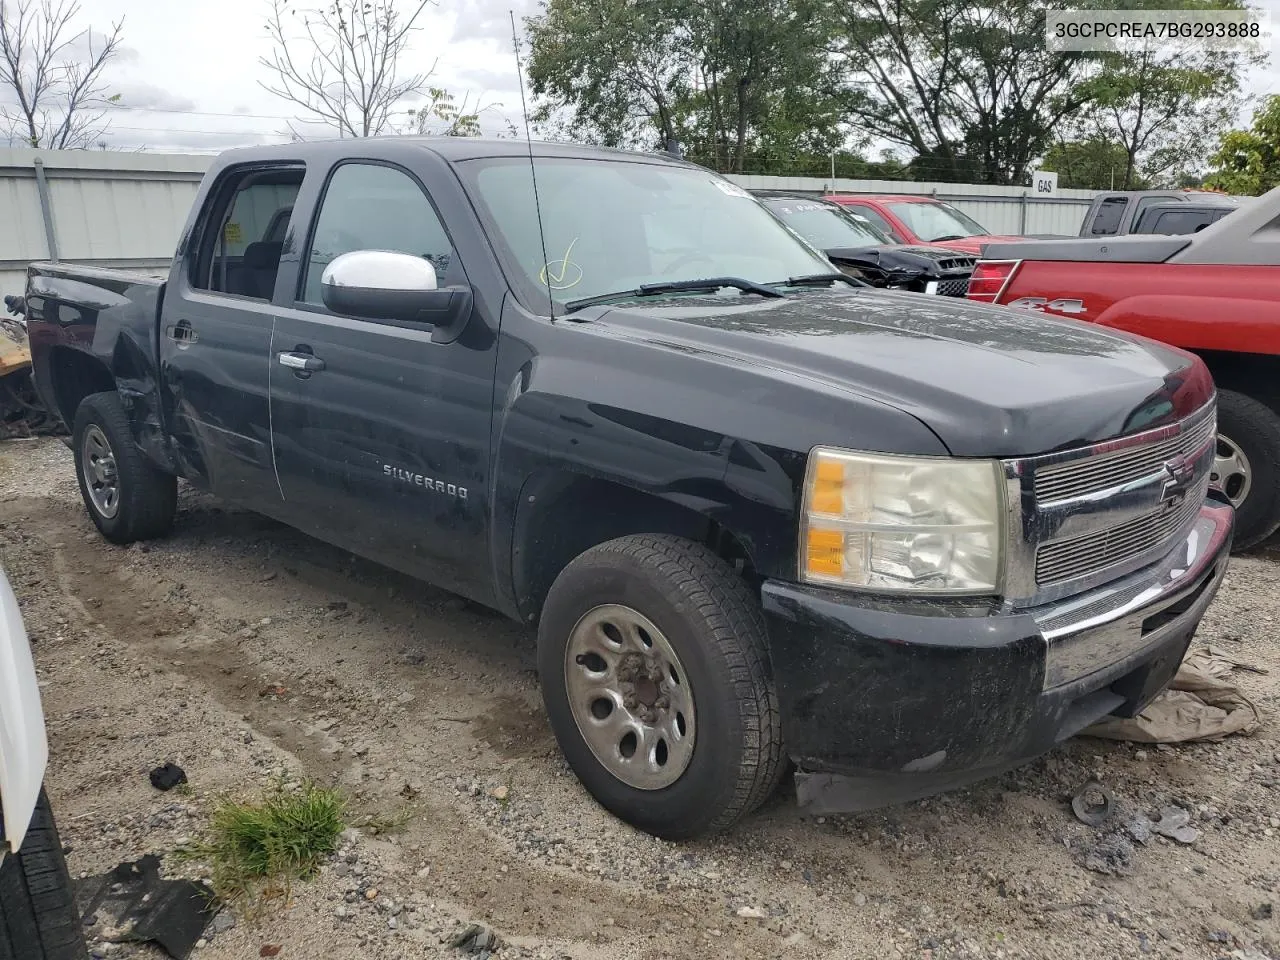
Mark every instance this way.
x=859 y=210
x=1107 y=220
x=239 y=250
x=373 y=207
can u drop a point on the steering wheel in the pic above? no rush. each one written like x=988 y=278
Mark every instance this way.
x=687 y=255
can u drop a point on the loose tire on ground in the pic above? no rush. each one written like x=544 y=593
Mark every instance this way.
x=38 y=918
x=145 y=497
x=709 y=620
x=1252 y=429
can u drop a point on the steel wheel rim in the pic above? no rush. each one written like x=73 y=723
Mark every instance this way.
x=630 y=697
x=1231 y=472
x=101 y=476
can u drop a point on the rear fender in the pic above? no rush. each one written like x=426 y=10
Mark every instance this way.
x=1194 y=322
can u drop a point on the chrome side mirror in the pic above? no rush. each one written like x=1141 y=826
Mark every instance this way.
x=380 y=285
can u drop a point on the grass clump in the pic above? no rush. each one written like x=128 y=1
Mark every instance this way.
x=255 y=850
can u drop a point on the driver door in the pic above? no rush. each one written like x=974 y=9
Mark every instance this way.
x=384 y=449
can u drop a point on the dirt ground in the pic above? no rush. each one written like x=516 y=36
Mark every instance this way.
x=244 y=652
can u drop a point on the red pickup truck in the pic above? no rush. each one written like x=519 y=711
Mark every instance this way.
x=1215 y=293
x=913 y=219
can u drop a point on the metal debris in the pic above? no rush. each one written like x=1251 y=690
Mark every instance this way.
x=1175 y=824
x=1093 y=804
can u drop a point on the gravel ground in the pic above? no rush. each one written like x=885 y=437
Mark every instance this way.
x=244 y=652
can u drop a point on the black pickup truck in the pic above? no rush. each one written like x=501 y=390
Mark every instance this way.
x=759 y=512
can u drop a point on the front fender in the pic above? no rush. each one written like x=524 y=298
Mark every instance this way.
x=24 y=750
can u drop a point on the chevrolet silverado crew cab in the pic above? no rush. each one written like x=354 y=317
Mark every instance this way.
x=758 y=511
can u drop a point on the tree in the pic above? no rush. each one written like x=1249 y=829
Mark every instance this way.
x=618 y=69
x=1248 y=161
x=341 y=63
x=725 y=79
x=443 y=116
x=763 y=77
x=1163 y=103
x=55 y=74
x=1092 y=163
x=957 y=83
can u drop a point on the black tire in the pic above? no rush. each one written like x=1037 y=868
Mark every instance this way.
x=715 y=626
x=1254 y=427
x=38 y=919
x=147 y=496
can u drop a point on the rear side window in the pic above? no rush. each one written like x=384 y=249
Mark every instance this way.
x=370 y=206
x=1184 y=221
x=239 y=249
x=1107 y=220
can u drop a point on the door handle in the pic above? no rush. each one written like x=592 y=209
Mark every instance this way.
x=300 y=361
x=182 y=332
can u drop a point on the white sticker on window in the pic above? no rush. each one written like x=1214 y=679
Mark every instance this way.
x=732 y=189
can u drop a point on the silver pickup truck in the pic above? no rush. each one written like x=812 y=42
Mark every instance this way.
x=37 y=913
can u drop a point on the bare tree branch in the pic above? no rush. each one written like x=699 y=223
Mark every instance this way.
x=340 y=63
x=61 y=98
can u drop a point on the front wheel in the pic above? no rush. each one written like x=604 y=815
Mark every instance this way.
x=38 y=918
x=1247 y=466
x=655 y=675
x=128 y=498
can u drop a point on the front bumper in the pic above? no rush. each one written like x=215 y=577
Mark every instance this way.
x=885 y=701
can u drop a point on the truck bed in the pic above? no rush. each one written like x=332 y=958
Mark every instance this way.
x=109 y=315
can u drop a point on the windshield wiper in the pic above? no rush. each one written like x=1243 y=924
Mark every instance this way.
x=674 y=286
x=949 y=236
x=820 y=280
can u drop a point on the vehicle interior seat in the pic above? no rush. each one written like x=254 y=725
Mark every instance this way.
x=256 y=276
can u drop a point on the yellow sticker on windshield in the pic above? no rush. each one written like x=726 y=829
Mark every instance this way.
x=231 y=233
x=561 y=274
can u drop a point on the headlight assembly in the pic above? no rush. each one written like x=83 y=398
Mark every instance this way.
x=902 y=524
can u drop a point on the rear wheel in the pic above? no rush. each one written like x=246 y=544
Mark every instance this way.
x=656 y=679
x=127 y=497
x=38 y=918
x=1247 y=466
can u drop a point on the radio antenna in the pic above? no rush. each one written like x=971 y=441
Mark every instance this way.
x=533 y=170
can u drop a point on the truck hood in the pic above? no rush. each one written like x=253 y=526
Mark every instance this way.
x=989 y=381
x=925 y=261
x=973 y=245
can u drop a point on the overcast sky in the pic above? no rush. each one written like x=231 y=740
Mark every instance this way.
x=189 y=76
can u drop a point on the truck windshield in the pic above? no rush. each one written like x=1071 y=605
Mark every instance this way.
x=612 y=226
x=826 y=226
x=937 y=221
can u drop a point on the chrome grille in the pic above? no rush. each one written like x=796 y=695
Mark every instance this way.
x=1103 y=471
x=1095 y=552
x=953 y=288
x=1088 y=515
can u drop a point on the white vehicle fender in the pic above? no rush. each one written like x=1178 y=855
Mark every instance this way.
x=24 y=749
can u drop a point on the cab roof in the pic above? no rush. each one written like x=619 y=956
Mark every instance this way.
x=450 y=149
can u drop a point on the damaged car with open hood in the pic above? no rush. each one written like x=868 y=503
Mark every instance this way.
x=861 y=249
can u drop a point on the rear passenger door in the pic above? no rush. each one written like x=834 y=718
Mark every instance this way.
x=385 y=449
x=215 y=334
